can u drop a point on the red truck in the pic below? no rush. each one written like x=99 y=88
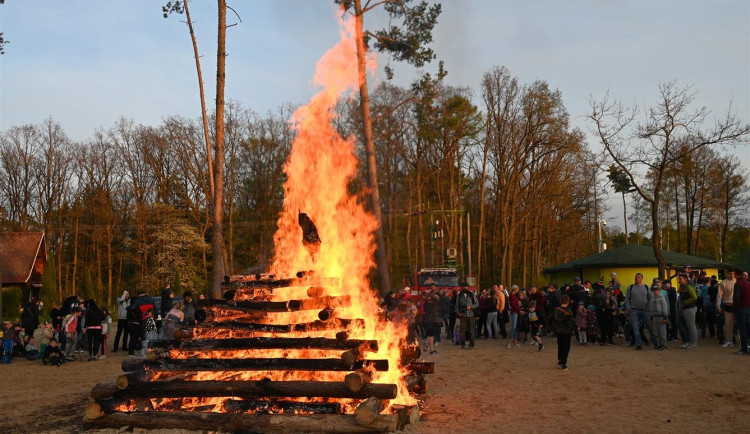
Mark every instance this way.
x=442 y=278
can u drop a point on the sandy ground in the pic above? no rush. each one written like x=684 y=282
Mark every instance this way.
x=486 y=389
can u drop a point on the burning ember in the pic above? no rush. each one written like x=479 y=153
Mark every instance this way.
x=308 y=344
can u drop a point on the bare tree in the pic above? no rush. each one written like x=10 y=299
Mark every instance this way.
x=651 y=146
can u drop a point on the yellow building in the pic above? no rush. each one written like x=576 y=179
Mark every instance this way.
x=625 y=261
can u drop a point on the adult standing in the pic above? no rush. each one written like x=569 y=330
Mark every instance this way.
x=636 y=301
x=492 y=309
x=30 y=316
x=189 y=308
x=672 y=304
x=93 y=322
x=515 y=312
x=688 y=299
x=725 y=306
x=123 y=301
x=466 y=303
x=138 y=312
x=563 y=323
x=741 y=302
x=577 y=294
x=56 y=315
x=431 y=319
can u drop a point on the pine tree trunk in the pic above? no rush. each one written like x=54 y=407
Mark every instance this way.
x=381 y=256
x=217 y=240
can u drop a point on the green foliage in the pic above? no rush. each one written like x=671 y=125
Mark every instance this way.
x=172 y=6
x=12 y=296
x=620 y=180
x=49 y=294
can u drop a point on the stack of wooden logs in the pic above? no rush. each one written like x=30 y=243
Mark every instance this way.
x=159 y=391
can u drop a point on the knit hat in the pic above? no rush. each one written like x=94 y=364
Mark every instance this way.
x=592 y=307
x=576 y=279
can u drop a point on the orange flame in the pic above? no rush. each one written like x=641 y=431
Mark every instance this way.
x=320 y=169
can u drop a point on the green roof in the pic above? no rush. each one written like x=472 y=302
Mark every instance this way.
x=635 y=255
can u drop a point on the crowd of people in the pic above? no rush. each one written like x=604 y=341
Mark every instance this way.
x=79 y=329
x=592 y=312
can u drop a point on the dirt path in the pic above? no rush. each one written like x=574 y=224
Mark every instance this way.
x=487 y=389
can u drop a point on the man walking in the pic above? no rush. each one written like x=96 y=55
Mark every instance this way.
x=636 y=302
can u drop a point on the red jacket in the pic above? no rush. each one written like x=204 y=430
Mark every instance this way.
x=742 y=293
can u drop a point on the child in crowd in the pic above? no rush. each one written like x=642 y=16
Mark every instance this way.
x=523 y=318
x=592 y=325
x=659 y=311
x=106 y=326
x=32 y=353
x=535 y=325
x=7 y=336
x=457 y=332
x=581 y=324
x=53 y=354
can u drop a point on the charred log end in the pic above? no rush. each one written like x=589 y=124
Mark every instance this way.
x=315 y=291
x=422 y=367
x=406 y=414
x=229 y=295
x=342 y=335
x=301 y=274
x=93 y=411
x=104 y=391
x=326 y=314
x=416 y=383
x=368 y=410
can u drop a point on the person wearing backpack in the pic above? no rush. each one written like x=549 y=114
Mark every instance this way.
x=466 y=303
x=564 y=325
x=636 y=301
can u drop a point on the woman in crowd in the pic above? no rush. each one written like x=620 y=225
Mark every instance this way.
x=93 y=323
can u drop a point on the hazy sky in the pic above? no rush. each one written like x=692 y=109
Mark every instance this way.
x=87 y=63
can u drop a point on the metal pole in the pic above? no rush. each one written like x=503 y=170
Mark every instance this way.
x=599 y=223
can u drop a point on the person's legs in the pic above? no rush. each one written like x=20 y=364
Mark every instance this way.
x=73 y=343
x=635 y=324
x=472 y=331
x=122 y=330
x=133 y=331
x=492 y=325
x=563 y=344
x=689 y=317
x=729 y=326
x=743 y=324
x=464 y=327
x=646 y=321
x=513 y=327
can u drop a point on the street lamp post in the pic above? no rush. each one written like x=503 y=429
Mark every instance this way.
x=602 y=246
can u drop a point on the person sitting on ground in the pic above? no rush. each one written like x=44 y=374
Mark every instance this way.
x=53 y=354
x=32 y=353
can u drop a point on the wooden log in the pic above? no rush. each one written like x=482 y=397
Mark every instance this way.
x=342 y=335
x=112 y=405
x=283 y=306
x=368 y=410
x=240 y=422
x=264 y=388
x=350 y=356
x=407 y=414
x=131 y=378
x=93 y=411
x=326 y=314
x=416 y=383
x=410 y=354
x=422 y=367
x=306 y=280
x=315 y=291
x=181 y=365
x=282 y=407
x=336 y=323
x=262 y=343
x=358 y=379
